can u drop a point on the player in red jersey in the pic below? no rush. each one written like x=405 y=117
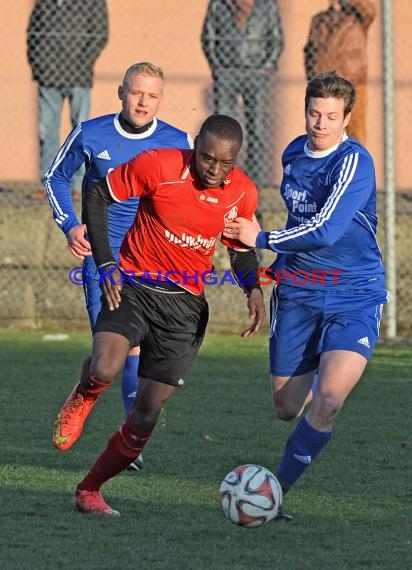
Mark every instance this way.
x=155 y=297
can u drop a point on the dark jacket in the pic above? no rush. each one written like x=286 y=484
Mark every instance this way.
x=64 y=39
x=258 y=46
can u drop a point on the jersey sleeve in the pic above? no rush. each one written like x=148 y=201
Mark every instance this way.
x=58 y=179
x=137 y=177
x=247 y=209
x=351 y=184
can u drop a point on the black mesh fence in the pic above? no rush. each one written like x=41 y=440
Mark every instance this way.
x=214 y=60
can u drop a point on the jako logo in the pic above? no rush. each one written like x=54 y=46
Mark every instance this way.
x=203 y=197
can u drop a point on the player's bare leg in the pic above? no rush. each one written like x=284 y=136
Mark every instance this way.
x=339 y=372
x=291 y=394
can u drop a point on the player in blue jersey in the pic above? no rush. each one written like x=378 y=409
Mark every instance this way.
x=102 y=144
x=326 y=305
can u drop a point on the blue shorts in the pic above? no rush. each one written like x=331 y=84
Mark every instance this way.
x=304 y=323
x=91 y=287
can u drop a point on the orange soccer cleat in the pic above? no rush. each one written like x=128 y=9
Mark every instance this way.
x=93 y=503
x=69 y=423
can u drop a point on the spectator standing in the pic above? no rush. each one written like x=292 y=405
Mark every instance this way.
x=338 y=41
x=64 y=40
x=242 y=41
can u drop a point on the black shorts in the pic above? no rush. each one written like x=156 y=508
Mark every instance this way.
x=169 y=325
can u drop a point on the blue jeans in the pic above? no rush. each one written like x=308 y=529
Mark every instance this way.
x=254 y=89
x=50 y=103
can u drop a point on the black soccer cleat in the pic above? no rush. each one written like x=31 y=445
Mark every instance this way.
x=282 y=516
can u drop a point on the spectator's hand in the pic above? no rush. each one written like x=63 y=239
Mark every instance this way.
x=79 y=246
x=111 y=287
x=257 y=312
x=243 y=230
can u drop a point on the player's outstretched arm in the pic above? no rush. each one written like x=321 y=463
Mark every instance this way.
x=59 y=177
x=243 y=230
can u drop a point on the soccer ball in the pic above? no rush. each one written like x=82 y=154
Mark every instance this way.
x=250 y=496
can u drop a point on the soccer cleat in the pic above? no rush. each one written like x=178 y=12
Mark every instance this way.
x=137 y=464
x=92 y=502
x=69 y=423
x=282 y=516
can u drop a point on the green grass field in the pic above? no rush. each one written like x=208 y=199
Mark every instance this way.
x=353 y=507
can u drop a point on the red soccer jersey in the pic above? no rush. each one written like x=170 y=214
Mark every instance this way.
x=174 y=234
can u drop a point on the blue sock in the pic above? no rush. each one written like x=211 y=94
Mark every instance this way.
x=303 y=445
x=130 y=381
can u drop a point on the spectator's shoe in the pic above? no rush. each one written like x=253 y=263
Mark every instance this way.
x=137 y=464
x=92 y=502
x=282 y=516
x=69 y=423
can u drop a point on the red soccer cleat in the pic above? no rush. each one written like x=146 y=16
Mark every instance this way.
x=93 y=503
x=69 y=423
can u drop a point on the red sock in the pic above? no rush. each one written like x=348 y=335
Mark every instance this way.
x=123 y=447
x=90 y=386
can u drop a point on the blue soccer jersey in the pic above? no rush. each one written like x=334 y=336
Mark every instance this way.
x=102 y=144
x=330 y=236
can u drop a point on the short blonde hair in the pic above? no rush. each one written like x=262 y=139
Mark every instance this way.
x=144 y=68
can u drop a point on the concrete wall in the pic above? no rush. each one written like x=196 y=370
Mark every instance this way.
x=37 y=272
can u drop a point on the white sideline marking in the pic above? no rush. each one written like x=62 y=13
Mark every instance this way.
x=58 y=337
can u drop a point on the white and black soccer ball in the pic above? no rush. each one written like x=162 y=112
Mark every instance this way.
x=250 y=496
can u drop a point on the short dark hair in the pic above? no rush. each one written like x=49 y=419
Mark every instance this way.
x=222 y=126
x=330 y=84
